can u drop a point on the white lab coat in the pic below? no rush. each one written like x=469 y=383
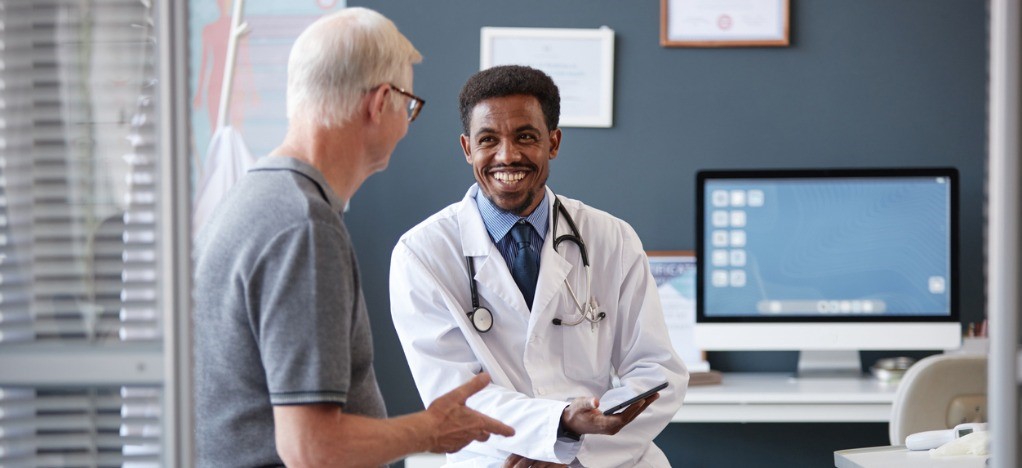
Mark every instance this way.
x=536 y=366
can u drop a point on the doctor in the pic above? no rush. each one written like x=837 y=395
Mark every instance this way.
x=552 y=297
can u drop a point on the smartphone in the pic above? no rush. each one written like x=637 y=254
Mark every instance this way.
x=616 y=409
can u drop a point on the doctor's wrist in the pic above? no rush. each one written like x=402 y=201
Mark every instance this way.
x=562 y=429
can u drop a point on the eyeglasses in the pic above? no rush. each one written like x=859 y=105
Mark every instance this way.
x=414 y=104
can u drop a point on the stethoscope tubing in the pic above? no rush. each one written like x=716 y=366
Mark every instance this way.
x=482 y=318
x=574 y=237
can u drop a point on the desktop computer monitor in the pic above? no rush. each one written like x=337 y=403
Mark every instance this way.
x=827 y=262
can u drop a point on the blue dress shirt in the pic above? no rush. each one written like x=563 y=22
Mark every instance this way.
x=498 y=224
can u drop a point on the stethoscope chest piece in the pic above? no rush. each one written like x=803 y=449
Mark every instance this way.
x=482 y=319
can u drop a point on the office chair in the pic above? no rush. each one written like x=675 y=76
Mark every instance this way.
x=939 y=392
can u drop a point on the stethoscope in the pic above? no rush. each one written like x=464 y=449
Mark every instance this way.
x=482 y=318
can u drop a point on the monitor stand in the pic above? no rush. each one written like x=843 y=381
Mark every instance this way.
x=829 y=364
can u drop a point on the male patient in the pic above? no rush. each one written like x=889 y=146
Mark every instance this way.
x=484 y=285
x=283 y=352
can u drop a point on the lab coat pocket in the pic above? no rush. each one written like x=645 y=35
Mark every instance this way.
x=582 y=356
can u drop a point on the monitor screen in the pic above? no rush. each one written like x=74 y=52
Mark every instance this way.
x=855 y=246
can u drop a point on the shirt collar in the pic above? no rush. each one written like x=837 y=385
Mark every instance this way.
x=498 y=222
x=287 y=163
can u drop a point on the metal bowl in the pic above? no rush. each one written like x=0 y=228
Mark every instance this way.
x=891 y=369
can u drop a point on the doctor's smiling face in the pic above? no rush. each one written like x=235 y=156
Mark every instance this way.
x=509 y=146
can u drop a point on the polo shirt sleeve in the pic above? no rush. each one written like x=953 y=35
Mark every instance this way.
x=305 y=298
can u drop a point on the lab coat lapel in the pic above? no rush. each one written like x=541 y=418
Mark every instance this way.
x=475 y=242
x=553 y=269
x=492 y=276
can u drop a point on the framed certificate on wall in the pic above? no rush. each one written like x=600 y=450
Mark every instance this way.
x=734 y=23
x=580 y=61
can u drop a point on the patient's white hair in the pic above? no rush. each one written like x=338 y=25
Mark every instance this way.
x=341 y=56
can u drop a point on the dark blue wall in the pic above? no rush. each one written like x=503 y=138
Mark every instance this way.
x=864 y=83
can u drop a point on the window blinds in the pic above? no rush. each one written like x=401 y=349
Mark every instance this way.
x=92 y=426
x=79 y=193
x=77 y=171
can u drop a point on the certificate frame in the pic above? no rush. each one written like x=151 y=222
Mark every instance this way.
x=740 y=23
x=580 y=61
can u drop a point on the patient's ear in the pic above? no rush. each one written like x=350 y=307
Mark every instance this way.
x=377 y=102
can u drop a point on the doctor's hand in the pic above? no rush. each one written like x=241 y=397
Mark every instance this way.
x=583 y=416
x=518 y=461
x=454 y=425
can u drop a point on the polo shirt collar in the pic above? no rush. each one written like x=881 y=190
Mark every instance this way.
x=286 y=163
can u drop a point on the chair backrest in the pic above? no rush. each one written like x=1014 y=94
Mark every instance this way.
x=939 y=392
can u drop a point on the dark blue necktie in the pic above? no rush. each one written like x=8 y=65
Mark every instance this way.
x=525 y=265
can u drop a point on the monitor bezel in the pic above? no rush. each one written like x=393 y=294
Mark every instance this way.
x=716 y=174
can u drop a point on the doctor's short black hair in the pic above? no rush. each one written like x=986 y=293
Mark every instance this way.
x=509 y=80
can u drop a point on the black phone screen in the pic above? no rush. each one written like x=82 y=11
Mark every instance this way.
x=623 y=405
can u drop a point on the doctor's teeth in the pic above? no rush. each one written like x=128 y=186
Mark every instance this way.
x=509 y=177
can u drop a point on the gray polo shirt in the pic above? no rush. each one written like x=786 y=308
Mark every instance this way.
x=279 y=313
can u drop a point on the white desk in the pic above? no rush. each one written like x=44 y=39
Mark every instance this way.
x=900 y=457
x=777 y=397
